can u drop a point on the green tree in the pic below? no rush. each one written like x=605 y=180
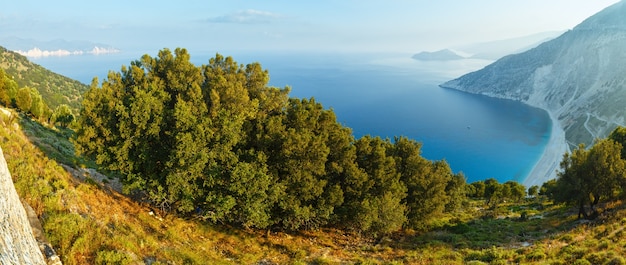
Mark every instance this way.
x=8 y=89
x=478 y=189
x=517 y=191
x=589 y=176
x=493 y=191
x=548 y=188
x=38 y=106
x=533 y=191
x=63 y=115
x=177 y=133
x=456 y=190
x=426 y=182
x=619 y=135
x=381 y=209
x=24 y=99
x=300 y=164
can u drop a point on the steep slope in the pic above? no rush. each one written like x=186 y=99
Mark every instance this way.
x=17 y=244
x=579 y=77
x=54 y=88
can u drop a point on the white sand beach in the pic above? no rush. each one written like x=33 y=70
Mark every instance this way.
x=548 y=164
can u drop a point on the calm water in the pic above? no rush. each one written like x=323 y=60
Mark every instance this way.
x=392 y=95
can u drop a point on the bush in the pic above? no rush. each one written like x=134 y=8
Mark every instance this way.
x=113 y=257
x=582 y=262
x=572 y=253
x=536 y=255
x=487 y=255
x=617 y=261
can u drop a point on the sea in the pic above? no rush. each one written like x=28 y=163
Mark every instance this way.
x=388 y=95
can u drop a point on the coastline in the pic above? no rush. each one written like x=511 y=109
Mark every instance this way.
x=546 y=167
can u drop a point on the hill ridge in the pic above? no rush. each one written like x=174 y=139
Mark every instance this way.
x=54 y=88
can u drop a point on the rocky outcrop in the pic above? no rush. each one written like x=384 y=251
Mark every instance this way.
x=579 y=78
x=17 y=244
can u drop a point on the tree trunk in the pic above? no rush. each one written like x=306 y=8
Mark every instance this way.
x=592 y=205
x=581 y=210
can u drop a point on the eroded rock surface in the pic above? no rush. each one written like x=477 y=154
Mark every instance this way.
x=17 y=243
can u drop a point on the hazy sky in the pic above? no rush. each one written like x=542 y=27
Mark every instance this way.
x=335 y=25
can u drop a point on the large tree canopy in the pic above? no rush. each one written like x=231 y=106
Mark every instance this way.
x=216 y=141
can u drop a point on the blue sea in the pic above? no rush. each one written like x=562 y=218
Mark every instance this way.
x=390 y=95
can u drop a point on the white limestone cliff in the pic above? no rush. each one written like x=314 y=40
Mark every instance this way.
x=17 y=243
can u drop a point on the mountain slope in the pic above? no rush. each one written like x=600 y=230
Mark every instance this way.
x=579 y=77
x=493 y=50
x=54 y=88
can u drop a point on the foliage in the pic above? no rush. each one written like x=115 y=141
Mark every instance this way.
x=494 y=192
x=533 y=191
x=8 y=89
x=63 y=115
x=215 y=141
x=24 y=99
x=589 y=176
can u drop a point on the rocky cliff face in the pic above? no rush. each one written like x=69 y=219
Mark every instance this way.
x=579 y=77
x=17 y=244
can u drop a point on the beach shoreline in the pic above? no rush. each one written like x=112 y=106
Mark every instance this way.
x=546 y=167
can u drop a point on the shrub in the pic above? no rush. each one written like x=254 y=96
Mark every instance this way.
x=572 y=253
x=113 y=257
x=536 y=255
x=582 y=262
x=567 y=238
x=617 y=261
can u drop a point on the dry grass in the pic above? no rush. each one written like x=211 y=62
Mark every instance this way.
x=88 y=223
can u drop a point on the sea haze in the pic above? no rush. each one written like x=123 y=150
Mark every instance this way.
x=391 y=95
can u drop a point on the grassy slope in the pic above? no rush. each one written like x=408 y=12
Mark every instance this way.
x=88 y=223
x=55 y=89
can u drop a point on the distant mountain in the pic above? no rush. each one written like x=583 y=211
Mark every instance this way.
x=579 y=77
x=493 y=50
x=54 y=88
x=442 y=55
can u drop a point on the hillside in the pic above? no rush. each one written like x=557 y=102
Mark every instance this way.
x=54 y=88
x=88 y=222
x=579 y=78
x=494 y=50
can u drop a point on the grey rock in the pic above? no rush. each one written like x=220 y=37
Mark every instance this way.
x=17 y=243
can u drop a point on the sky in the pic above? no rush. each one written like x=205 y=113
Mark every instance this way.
x=287 y=25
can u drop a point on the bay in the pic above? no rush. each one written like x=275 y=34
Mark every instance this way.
x=390 y=95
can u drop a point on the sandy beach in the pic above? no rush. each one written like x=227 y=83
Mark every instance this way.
x=548 y=164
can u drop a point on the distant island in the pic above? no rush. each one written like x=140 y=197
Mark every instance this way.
x=441 y=55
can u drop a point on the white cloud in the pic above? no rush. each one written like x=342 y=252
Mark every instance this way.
x=37 y=53
x=249 y=16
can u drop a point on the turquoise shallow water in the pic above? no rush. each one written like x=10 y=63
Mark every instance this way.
x=392 y=95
